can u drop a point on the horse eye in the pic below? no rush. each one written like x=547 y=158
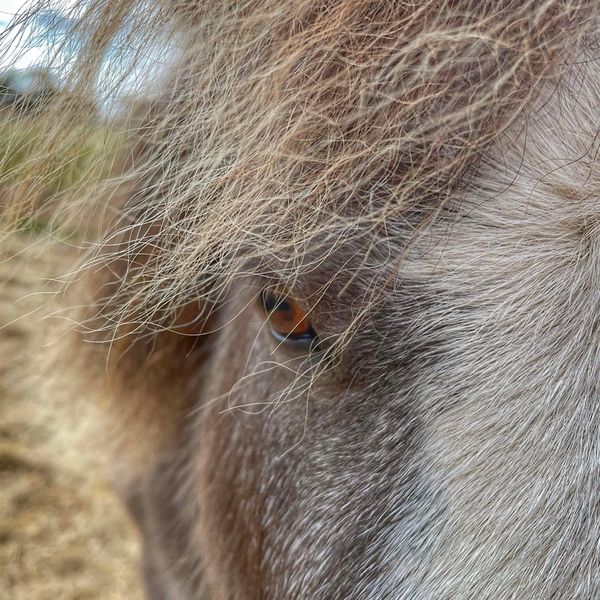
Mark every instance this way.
x=287 y=320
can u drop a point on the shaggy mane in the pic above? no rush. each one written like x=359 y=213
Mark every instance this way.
x=284 y=129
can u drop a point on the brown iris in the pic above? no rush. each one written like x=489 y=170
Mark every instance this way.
x=287 y=320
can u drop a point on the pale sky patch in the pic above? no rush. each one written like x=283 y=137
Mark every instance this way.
x=16 y=49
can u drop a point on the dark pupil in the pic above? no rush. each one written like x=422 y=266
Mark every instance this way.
x=272 y=302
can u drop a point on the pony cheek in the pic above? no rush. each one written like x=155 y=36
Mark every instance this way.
x=231 y=452
x=240 y=432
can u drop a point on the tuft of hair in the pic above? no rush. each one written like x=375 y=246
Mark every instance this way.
x=273 y=133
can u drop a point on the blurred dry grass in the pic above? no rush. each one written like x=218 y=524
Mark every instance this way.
x=63 y=534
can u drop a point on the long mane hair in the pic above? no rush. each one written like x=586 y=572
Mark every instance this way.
x=276 y=127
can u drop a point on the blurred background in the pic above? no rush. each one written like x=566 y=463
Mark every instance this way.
x=63 y=534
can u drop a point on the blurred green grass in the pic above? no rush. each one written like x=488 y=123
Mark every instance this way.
x=37 y=168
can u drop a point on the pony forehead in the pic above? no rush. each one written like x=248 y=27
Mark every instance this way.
x=309 y=111
x=334 y=100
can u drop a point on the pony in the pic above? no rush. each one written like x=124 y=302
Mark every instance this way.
x=344 y=316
